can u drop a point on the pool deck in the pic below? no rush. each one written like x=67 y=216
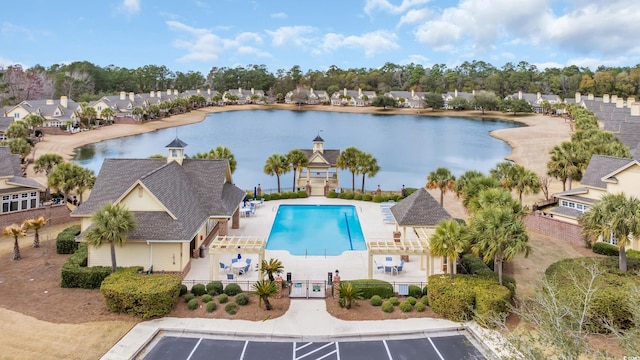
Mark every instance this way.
x=352 y=264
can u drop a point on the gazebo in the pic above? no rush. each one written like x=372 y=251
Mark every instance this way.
x=421 y=212
x=234 y=244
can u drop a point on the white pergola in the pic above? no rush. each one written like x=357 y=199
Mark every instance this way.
x=234 y=244
x=404 y=246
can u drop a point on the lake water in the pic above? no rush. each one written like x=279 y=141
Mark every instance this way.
x=407 y=147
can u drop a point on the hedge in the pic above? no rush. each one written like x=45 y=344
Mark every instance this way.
x=475 y=266
x=66 y=240
x=142 y=295
x=371 y=287
x=76 y=274
x=605 y=249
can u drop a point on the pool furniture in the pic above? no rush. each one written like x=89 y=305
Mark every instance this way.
x=248 y=260
x=234 y=260
x=252 y=208
x=378 y=267
x=229 y=276
x=398 y=269
x=224 y=267
x=388 y=258
x=388 y=269
x=239 y=267
x=245 y=211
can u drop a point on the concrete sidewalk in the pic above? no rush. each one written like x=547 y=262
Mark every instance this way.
x=306 y=320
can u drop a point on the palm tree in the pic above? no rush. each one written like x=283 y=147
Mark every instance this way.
x=220 y=152
x=298 y=159
x=368 y=166
x=46 y=163
x=348 y=159
x=277 y=165
x=16 y=130
x=34 y=120
x=441 y=179
x=349 y=293
x=63 y=177
x=495 y=197
x=110 y=224
x=524 y=181
x=137 y=112
x=35 y=225
x=265 y=289
x=463 y=180
x=449 y=239
x=498 y=234
x=21 y=147
x=503 y=172
x=85 y=179
x=567 y=162
x=107 y=114
x=15 y=231
x=614 y=217
x=88 y=114
x=270 y=267
x=474 y=186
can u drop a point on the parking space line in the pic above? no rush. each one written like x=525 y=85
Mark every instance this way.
x=244 y=349
x=435 y=348
x=195 y=347
x=384 y=342
x=318 y=349
x=338 y=350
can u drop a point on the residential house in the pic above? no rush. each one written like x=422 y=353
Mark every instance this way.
x=18 y=192
x=179 y=204
x=454 y=94
x=122 y=105
x=245 y=96
x=407 y=99
x=352 y=98
x=313 y=97
x=54 y=112
x=604 y=175
x=5 y=121
x=321 y=174
x=536 y=100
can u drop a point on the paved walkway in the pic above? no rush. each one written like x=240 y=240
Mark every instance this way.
x=306 y=320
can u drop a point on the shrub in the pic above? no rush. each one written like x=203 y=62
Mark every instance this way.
x=242 y=299
x=332 y=194
x=377 y=199
x=183 y=289
x=425 y=300
x=371 y=287
x=387 y=307
x=76 y=274
x=198 y=289
x=211 y=305
x=192 y=304
x=415 y=291
x=451 y=299
x=425 y=290
x=214 y=288
x=347 y=196
x=302 y=194
x=293 y=195
x=633 y=254
x=266 y=197
x=394 y=301
x=66 y=240
x=605 y=249
x=357 y=197
x=409 y=191
x=188 y=297
x=285 y=195
x=492 y=301
x=420 y=307
x=366 y=197
x=231 y=308
x=411 y=300
x=223 y=298
x=206 y=298
x=232 y=289
x=475 y=266
x=405 y=306
x=376 y=300
x=141 y=295
x=275 y=196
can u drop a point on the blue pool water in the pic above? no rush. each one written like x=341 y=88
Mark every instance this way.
x=316 y=230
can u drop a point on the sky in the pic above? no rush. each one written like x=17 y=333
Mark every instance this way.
x=196 y=35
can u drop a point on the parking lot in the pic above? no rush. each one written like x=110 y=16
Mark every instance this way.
x=198 y=348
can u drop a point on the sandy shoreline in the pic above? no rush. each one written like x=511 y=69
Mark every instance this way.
x=530 y=144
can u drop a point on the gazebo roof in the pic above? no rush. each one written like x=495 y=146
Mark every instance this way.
x=419 y=209
x=230 y=244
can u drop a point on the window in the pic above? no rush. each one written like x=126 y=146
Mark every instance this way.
x=16 y=115
x=5 y=197
x=564 y=203
x=445 y=264
x=613 y=240
x=24 y=195
x=24 y=204
x=14 y=196
x=34 y=203
x=34 y=194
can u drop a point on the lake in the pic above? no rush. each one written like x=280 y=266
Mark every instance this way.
x=407 y=147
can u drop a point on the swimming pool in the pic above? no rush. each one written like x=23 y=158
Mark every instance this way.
x=316 y=230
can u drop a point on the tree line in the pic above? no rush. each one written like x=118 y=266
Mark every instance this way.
x=85 y=81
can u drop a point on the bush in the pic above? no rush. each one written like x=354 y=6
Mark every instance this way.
x=357 y=197
x=492 y=301
x=231 y=308
x=141 y=295
x=405 y=306
x=211 y=305
x=192 y=304
x=332 y=194
x=302 y=194
x=376 y=300
x=206 y=298
x=409 y=191
x=214 y=288
x=425 y=290
x=633 y=254
x=198 y=289
x=387 y=307
x=188 y=297
x=366 y=197
x=76 y=274
x=293 y=195
x=603 y=248
x=377 y=199
x=223 y=298
x=242 y=299
x=411 y=300
x=275 y=196
x=415 y=291
x=66 y=240
x=425 y=300
x=347 y=196
x=420 y=307
x=451 y=299
x=371 y=287
x=285 y=195
x=232 y=289
x=394 y=301
x=183 y=289
x=266 y=197
x=475 y=266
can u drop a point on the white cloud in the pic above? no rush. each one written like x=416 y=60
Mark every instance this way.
x=9 y=30
x=548 y=65
x=386 y=6
x=300 y=36
x=372 y=43
x=279 y=15
x=4 y=62
x=129 y=6
x=204 y=45
x=414 y=16
x=417 y=59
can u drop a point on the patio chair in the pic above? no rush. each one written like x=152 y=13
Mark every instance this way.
x=224 y=267
x=245 y=269
x=229 y=277
x=234 y=260
x=398 y=269
x=388 y=258
x=252 y=208
x=248 y=261
x=378 y=267
x=388 y=269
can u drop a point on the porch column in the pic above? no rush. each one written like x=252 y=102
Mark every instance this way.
x=223 y=228
x=370 y=265
x=235 y=220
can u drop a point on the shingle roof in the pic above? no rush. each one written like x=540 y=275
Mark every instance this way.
x=176 y=143
x=330 y=155
x=192 y=192
x=419 y=209
x=9 y=163
x=599 y=166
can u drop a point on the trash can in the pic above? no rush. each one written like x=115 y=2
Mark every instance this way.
x=203 y=251
x=289 y=277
